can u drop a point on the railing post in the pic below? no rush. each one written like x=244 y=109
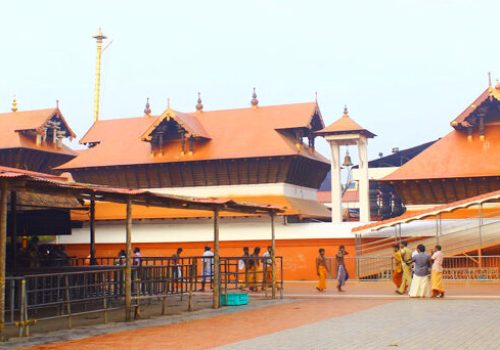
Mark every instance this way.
x=273 y=259
x=128 y=265
x=216 y=286
x=3 y=240
x=68 y=301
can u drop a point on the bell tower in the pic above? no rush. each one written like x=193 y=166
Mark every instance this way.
x=344 y=132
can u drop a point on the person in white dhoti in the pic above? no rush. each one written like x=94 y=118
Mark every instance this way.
x=421 y=282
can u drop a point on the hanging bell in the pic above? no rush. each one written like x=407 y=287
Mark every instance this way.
x=347 y=159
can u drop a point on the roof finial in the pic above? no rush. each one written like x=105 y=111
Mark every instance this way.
x=489 y=79
x=199 y=105
x=147 y=109
x=168 y=102
x=57 y=104
x=254 y=102
x=346 y=112
x=316 y=96
x=14 y=104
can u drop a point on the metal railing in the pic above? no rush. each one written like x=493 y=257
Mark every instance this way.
x=80 y=289
x=459 y=268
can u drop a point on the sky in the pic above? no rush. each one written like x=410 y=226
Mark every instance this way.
x=404 y=69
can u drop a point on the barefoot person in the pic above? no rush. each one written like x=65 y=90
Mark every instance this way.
x=406 y=265
x=397 y=273
x=437 y=273
x=342 y=275
x=321 y=270
x=420 y=285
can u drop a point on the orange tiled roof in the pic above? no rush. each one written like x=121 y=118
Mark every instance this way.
x=12 y=124
x=454 y=156
x=291 y=206
x=236 y=133
x=344 y=125
x=187 y=121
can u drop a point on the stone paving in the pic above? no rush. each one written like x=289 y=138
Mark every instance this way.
x=406 y=324
x=366 y=316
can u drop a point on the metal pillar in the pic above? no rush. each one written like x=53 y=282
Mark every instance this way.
x=128 y=264
x=480 y=231
x=273 y=258
x=3 y=239
x=216 y=290
x=92 y=230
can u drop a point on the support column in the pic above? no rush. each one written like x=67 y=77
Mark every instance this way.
x=336 y=185
x=13 y=228
x=480 y=231
x=364 y=186
x=92 y=230
x=128 y=264
x=216 y=291
x=273 y=259
x=3 y=239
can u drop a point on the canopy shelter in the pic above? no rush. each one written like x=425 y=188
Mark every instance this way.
x=460 y=227
x=20 y=181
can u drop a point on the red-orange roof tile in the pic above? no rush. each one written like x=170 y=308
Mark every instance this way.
x=12 y=124
x=344 y=125
x=454 y=156
x=237 y=133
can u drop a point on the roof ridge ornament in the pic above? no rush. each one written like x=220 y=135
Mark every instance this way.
x=147 y=109
x=254 y=102
x=346 y=112
x=57 y=104
x=14 y=104
x=489 y=79
x=199 y=105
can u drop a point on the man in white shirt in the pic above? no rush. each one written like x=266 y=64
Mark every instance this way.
x=207 y=263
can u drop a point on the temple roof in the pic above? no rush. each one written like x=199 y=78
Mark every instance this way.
x=237 y=133
x=489 y=95
x=345 y=125
x=17 y=125
x=455 y=156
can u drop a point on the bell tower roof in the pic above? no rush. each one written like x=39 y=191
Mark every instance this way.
x=345 y=125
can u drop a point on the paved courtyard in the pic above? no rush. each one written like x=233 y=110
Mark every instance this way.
x=326 y=323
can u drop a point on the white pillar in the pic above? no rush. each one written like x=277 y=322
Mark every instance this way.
x=336 y=187
x=364 y=187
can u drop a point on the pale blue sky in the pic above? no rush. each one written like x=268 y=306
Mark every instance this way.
x=404 y=68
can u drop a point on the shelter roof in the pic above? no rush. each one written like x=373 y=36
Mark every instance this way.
x=407 y=217
x=290 y=206
x=237 y=133
x=345 y=125
x=454 y=156
x=14 y=126
x=27 y=181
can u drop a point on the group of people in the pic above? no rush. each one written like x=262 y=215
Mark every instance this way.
x=249 y=266
x=418 y=273
x=322 y=269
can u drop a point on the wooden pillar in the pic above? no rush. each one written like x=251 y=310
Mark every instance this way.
x=13 y=228
x=3 y=239
x=273 y=258
x=128 y=264
x=92 y=230
x=216 y=291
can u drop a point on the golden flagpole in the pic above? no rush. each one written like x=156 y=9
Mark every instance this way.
x=97 y=90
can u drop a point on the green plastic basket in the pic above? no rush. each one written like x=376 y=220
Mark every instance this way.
x=234 y=299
